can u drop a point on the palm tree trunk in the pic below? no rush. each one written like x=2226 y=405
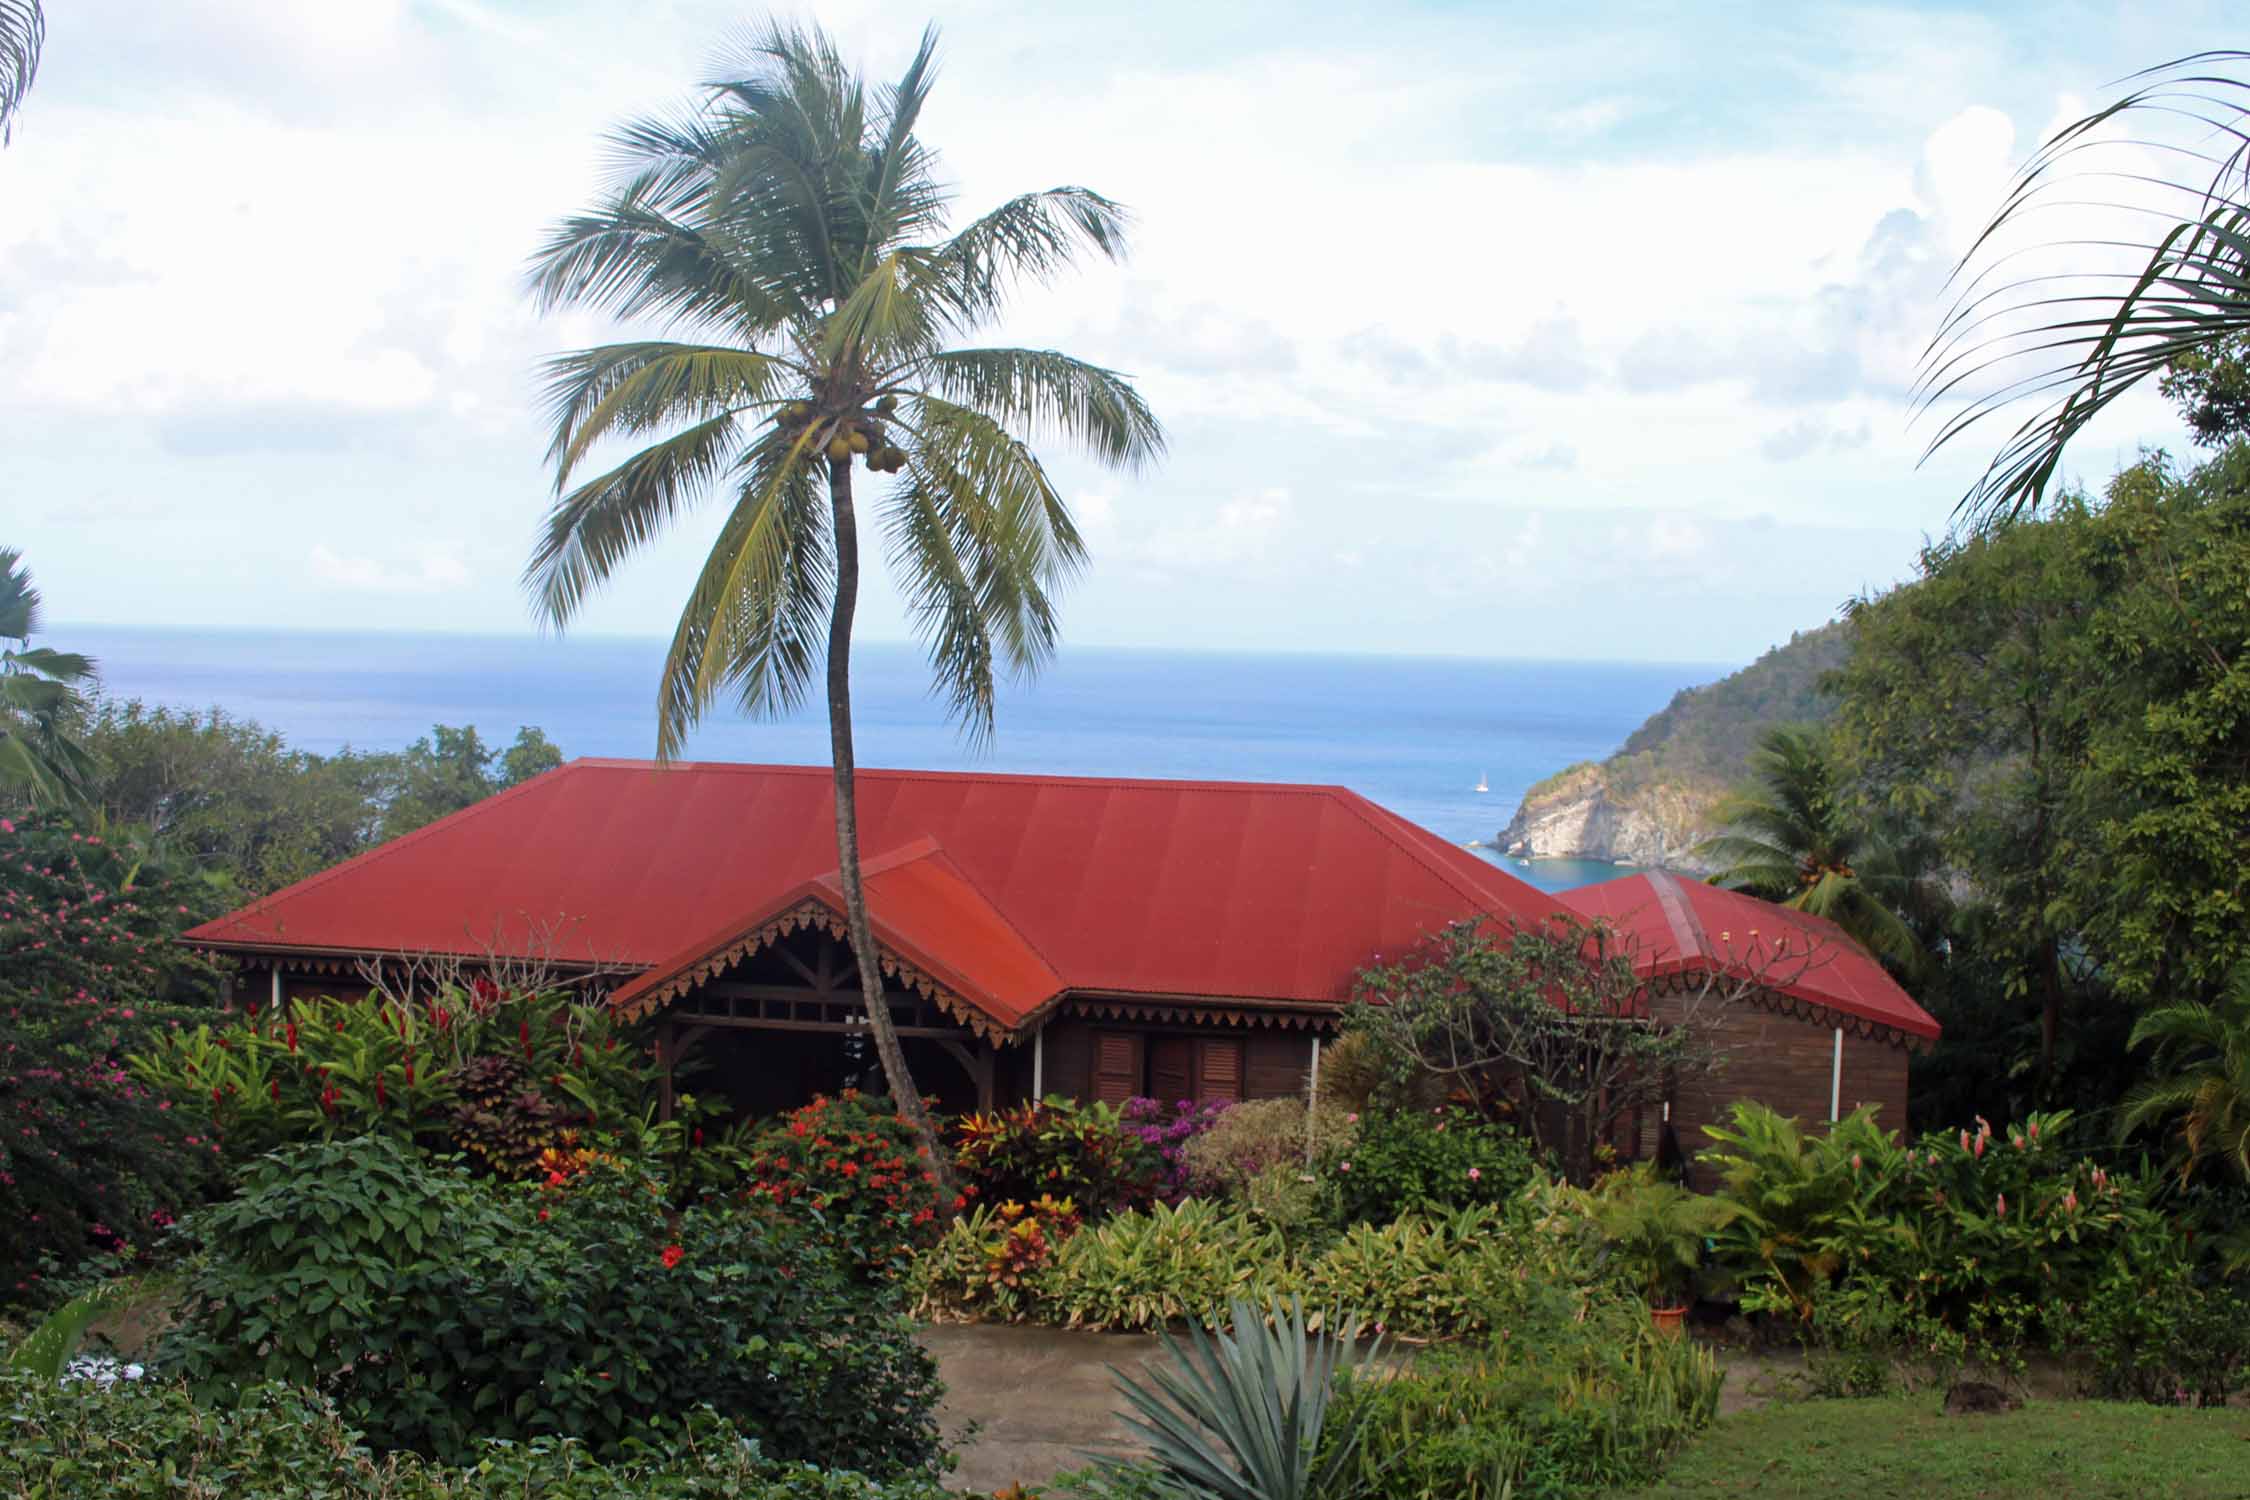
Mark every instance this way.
x=904 y=1094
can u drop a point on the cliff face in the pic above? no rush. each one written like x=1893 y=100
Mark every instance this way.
x=1651 y=802
x=1581 y=815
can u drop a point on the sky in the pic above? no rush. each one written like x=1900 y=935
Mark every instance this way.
x=1506 y=331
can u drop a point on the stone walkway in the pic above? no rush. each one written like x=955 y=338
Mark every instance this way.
x=1038 y=1398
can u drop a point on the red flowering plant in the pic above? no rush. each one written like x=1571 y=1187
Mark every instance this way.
x=499 y=1076
x=1059 y=1146
x=850 y=1168
x=92 y=1160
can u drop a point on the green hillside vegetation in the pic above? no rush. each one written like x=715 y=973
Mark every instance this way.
x=1702 y=740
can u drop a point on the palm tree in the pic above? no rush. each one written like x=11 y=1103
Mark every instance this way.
x=2200 y=1073
x=2090 y=335
x=39 y=699
x=792 y=232
x=23 y=28
x=1792 y=837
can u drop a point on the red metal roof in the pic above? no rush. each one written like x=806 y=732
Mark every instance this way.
x=1242 y=891
x=1679 y=925
x=1006 y=890
x=924 y=912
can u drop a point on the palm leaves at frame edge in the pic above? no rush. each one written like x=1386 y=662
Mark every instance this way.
x=23 y=32
x=2204 y=1046
x=2192 y=294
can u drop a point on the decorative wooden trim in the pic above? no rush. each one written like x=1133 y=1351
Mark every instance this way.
x=1188 y=1011
x=817 y=915
x=1798 y=1008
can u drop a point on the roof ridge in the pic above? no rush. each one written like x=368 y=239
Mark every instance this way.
x=367 y=857
x=1388 y=826
x=1679 y=913
x=927 y=846
x=915 y=773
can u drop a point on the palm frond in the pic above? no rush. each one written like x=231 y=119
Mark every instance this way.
x=753 y=625
x=1042 y=392
x=1032 y=238
x=981 y=539
x=55 y=666
x=632 y=259
x=593 y=528
x=641 y=387
x=904 y=201
x=2092 y=336
x=23 y=32
x=20 y=603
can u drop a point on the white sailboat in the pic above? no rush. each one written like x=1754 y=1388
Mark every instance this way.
x=1481 y=783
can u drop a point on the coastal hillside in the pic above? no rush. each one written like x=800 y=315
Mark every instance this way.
x=1650 y=803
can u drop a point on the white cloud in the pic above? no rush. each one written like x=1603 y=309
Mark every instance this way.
x=433 y=572
x=1482 y=283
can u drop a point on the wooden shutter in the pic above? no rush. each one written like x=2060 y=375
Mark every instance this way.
x=1117 y=1066
x=1218 y=1068
x=1171 y=1068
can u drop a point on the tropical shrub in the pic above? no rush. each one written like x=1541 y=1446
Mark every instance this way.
x=1059 y=1147
x=2157 y=1327
x=1470 y=1271
x=986 y=1264
x=498 y=1075
x=438 y=1311
x=92 y=1161
x=1564 y=1404
x=1996 y=1240
x=1806 y=1204
x=1170 y=1128
x=1413 y=1161
x=852 y=1168
x=1655 y=1230
x=1142 y=1270
x=279 y=1443
x=1251 y=1140
x=93 y=914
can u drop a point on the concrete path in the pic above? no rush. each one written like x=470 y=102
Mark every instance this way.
x=1039 y=1398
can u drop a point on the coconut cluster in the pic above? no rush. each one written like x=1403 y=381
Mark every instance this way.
x=853 y=433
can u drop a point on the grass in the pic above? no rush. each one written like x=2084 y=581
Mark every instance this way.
x=1906 y=1448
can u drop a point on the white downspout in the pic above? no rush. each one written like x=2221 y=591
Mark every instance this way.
x=1836 y=1081
x=277 y=988
x=1039 y=1065
x=1312 y=1095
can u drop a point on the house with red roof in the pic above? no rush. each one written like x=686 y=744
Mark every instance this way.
x=1092 y=937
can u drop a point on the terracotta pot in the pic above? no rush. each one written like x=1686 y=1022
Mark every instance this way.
x=1668 y=1319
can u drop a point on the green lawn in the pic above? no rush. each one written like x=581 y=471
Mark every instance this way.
x=1906 y=1448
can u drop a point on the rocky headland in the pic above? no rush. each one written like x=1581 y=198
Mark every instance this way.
x=1651 y=803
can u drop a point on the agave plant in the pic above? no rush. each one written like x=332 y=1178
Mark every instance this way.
x=1244 y=1414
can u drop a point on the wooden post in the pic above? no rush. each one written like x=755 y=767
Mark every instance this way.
x=1836 y=1081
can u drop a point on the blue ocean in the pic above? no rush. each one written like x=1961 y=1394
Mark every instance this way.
x=1415 y=734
